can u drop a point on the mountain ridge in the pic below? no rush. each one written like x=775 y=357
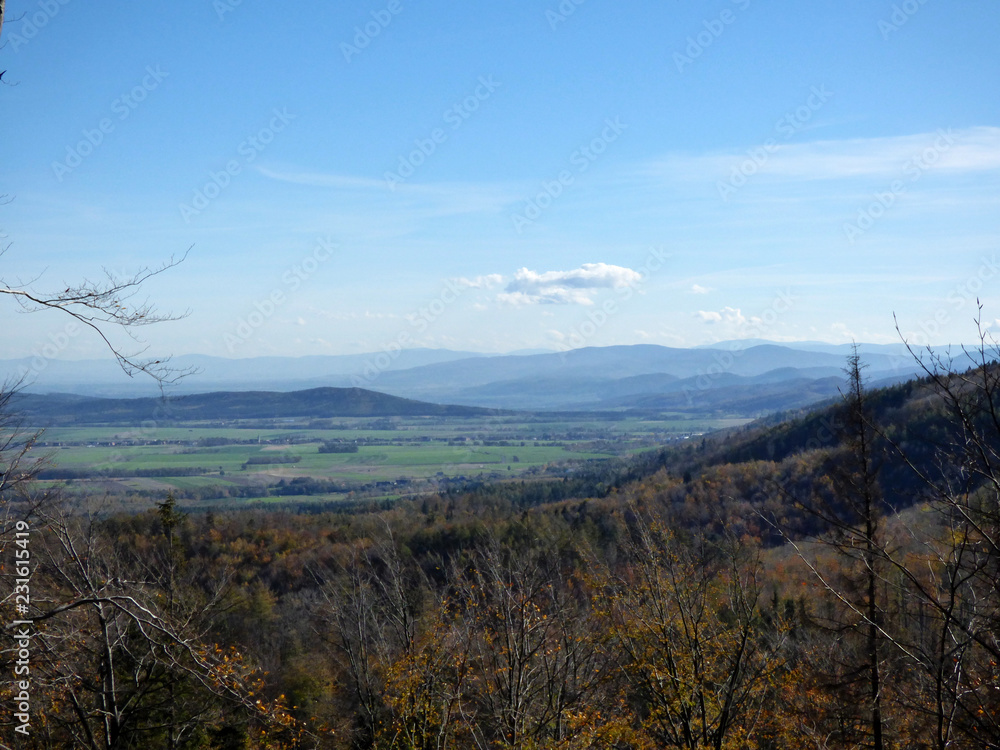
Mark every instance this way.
x=589 y=378
x=315 y=403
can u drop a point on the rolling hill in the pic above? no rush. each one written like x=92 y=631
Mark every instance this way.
x=313 y=403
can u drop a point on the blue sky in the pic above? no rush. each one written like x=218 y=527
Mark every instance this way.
x=494 y=177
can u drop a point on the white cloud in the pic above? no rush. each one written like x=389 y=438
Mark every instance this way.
x=575 y=287
x=699 y=289
x=727 y=315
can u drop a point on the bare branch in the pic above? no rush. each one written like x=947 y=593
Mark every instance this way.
x=110 y=303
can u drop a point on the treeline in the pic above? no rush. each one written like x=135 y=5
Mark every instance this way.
x=332 y=447
x=163 y=471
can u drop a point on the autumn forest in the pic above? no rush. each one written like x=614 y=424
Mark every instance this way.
x=824 y=579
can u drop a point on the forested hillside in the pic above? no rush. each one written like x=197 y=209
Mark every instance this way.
x=315 y=403
x=829 y=580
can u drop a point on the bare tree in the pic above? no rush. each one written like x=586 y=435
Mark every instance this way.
x=16 y=467
x=531 y=640
x=863 y=532
x=852 y=526
x=695 y=656
x=914 y=602
x=369 y=621
x=955 y=584
x=123 y=646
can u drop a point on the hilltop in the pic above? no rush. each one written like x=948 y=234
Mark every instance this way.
x=318 y=403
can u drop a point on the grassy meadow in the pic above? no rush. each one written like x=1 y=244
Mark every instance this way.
x=205 y=462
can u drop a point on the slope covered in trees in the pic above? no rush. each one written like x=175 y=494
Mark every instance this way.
x=315 y=403
x=827 y=581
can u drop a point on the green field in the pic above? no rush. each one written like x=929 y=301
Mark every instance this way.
x=231 y=462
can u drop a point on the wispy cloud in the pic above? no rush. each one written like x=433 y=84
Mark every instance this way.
x=955 y=150
x=574 y=287
x=963 y=151
x=436 y=199
x=321 y=179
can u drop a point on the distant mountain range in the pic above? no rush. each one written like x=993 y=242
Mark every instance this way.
x=741 y=378
x=622 y=377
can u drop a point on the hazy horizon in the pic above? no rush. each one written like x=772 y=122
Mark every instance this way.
x=724 y=344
